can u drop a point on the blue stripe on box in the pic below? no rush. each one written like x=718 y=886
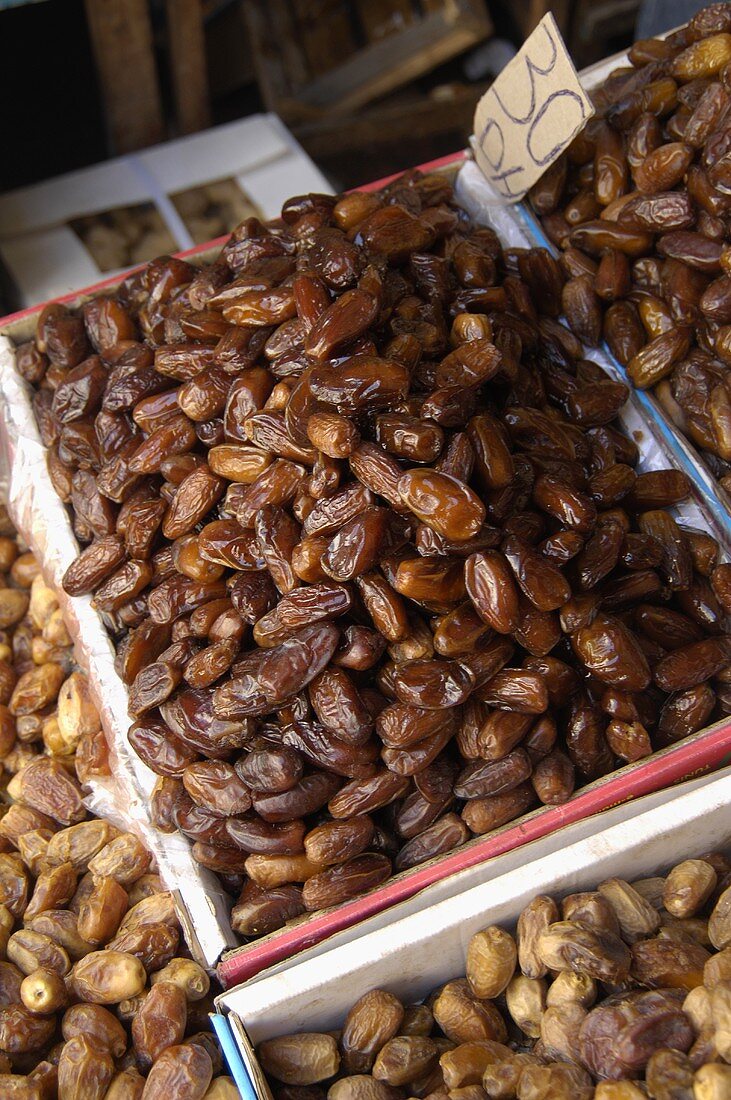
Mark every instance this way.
x=231 y=1053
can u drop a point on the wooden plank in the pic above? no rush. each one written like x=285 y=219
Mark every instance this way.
x=399 y=59
x=325 y=31
x=293 y=59
x=270 y=74
x=538 y=8
x=452 y=9
x=188 y=70
x=389 y=125
x=121 y=39
x=380 y=18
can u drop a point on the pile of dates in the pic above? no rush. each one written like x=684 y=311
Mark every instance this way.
x=47 y=717
x=381 y=568
x=619 y=993
x=96 y=998
x=639 y=206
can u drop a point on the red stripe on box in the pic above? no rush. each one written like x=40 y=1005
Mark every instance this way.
x=701 y=754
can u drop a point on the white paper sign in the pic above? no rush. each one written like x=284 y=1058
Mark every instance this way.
x=531 y=114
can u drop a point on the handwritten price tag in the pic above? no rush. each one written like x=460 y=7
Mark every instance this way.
x=531 y=113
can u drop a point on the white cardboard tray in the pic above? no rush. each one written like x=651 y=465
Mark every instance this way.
x=460 y=882
x=46 y=258
x=413 y=955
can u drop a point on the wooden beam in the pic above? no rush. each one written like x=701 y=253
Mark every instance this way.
x=293 y=56
x=270 y=75
x=121 y=39
x=188 y=69
x=390 y=124
x=326 y=32
x=400 y=58
x=538 y=8
x=381 y=18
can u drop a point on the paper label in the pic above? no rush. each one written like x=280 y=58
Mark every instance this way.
x=531 y=113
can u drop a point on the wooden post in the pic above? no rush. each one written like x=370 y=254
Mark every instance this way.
x=188 y=64
x=387 y=64
x=268 y=63
x=121 y=39
x=538 y=8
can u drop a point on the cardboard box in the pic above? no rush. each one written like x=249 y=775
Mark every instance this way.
x=206 y=916
x=703 y=751
x=571 y=832
x=67 y=232
x=413 y=955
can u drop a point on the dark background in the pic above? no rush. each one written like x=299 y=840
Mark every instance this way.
x=53 y=116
